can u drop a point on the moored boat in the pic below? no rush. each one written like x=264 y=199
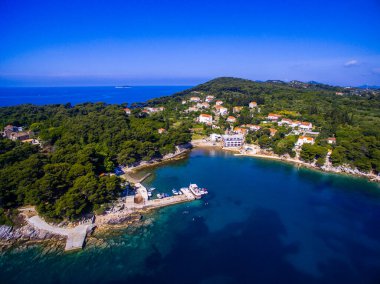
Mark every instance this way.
x=195 y=190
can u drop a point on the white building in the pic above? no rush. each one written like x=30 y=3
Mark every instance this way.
x=195 y=99
x=235 y=140
x=218 y=103
x=205 y=118
x=127 y=111
x=306 y=126
x=331 y=140
x=209 y=99
x=231 y=119
x=285 y=121
x=215 y=137
x=252 y=104
x=221 y=110
x=273 y=116
x=303 y=139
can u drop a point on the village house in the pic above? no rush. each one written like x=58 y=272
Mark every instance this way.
x=273 y=116
x=285 y=121
x=218 y=103
x=252 y=104
x=303 y=139
x=331 y=140
x=184 y=102
x=154 y=109
x=205 y=118
x=231 y=119
x=192 y=109
x=203 y=105
x=295 y=123
x=237 y=109
x=306 y=126
x=209 y=99
x=9 y=129
x=195 y=99
x=235 y=140
x=214 y=137
x=221 y=110
x=16 y=133
x=240 y=130
x=20 y=136
x=255 y=127
x=127 y=111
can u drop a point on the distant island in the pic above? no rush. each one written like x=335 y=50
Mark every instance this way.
x=71 y=162
x=123 y=87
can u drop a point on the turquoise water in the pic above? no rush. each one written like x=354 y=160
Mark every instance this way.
x=262 y=222
x=75 y=95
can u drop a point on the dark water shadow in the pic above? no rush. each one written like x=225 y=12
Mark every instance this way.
x=242 y=252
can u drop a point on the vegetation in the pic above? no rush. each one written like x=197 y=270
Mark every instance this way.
x=351 y=118
x=65 y=178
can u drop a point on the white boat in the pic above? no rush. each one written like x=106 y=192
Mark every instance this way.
x=195 y=190
x=159 y=195
x=175 y=192
x=152 y=188
x=149 y=194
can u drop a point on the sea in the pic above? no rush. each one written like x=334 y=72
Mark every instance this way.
x=61 y=95
x=263 y=221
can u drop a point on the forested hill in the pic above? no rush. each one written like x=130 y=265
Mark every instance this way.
x=66 y=178
x=352 y=115
x=326 y=105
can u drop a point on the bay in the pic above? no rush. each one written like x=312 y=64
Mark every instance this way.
x=263 y=222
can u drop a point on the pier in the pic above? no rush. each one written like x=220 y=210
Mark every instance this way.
x=75 y=236
x=155 y=203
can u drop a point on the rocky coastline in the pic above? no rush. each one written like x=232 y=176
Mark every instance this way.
x=260 y=153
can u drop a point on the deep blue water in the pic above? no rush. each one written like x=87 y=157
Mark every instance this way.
x=75 y=95
x=263 y=222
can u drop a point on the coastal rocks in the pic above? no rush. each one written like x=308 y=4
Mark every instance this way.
x=26 y=232
x=125 y=219
x=349 y=170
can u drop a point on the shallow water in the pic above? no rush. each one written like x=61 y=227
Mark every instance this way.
x=262 y=222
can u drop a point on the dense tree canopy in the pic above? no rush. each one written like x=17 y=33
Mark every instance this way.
x=64 y=179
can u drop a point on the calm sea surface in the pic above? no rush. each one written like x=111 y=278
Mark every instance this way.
x=75 y=95
x=262 y=222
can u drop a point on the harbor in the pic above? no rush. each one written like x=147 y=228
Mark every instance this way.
x=125 y=210
x=140 y=201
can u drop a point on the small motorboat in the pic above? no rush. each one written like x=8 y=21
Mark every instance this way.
x=175 y=192
x=151 y=189
x=159 y=196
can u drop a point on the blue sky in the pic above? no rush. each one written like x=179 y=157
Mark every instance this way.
x=56 y=43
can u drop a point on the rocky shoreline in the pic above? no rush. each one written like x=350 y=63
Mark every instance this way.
x=259 y=153
x=10 y=235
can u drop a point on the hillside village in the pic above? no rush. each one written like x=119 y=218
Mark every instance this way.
x=221 y=124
